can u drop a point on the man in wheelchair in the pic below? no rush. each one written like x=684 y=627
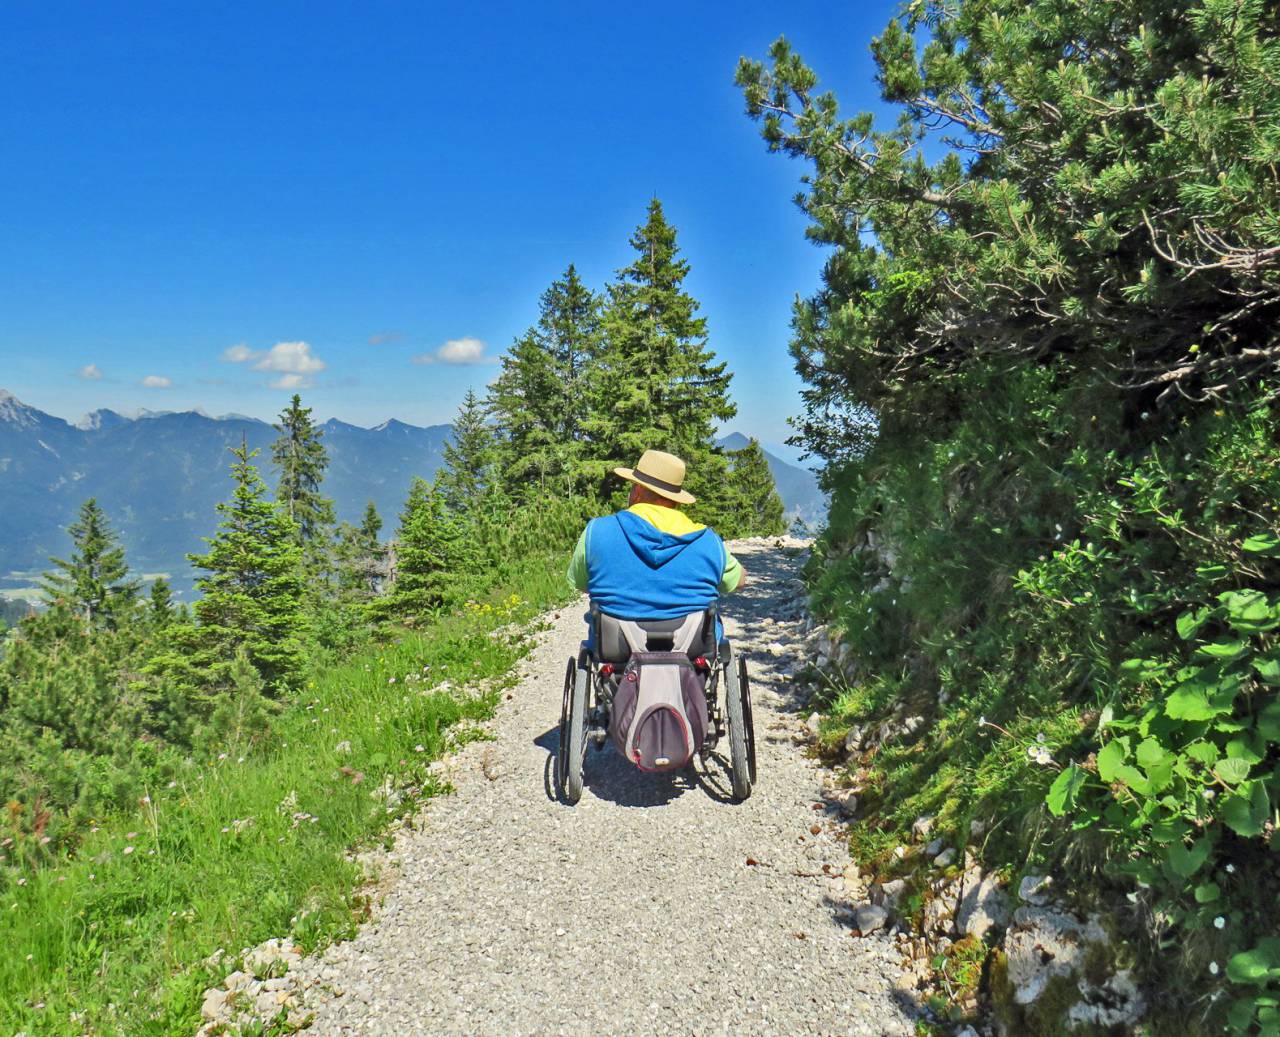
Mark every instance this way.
x=654 y=578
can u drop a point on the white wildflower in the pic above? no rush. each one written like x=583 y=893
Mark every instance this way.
x=1219 y=922
x=1213 y=968
x=127 y=850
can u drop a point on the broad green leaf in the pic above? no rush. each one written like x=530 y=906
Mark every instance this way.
x=1247 y=809
x=1134 y=778
x=1112 y=756
x=1269 y=722
x=1159 y=776
x=1212 y=572
x=1149 y=753
x=1187 y=860
x=1244 y=749
x=1250 y=611
x=1262 y=544
x=1189 y=701
x=1256 y=965
x=1190 y=622
x=1063 y=791
x=1223 y=648
x=1208 y=893
x=1202 y=752
x=1232 y=770
x=1268 y=667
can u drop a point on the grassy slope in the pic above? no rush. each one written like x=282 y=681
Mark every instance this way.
x=111 y=942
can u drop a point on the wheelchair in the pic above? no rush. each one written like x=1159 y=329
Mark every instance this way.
x=663 y=691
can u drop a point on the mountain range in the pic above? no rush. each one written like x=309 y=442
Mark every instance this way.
x=159 y=475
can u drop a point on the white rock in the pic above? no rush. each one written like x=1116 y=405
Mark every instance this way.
x=982 y=908
x=215 y=1003
x=1042 y=944
x=922 y=826
x=1034 y=889
x=946 y=858
x=887 y=894
x=812 y=724
x=869 y=918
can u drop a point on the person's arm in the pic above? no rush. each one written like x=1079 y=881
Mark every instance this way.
x=577 y=572
x=734 y=576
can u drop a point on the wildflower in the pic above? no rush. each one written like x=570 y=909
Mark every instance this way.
x=222 y=756
x=240 y=760
x=22 y=882
x=1209 y=793
x=1213 y=968
x=145 y=801
x=982 y=721
x=131 y=835
x=391 y=680
x=1231 y=869
x=127 y=850
x=1040 y=738
x=419 y=748
x=45 y=840
x=173 y=785
x=1219 y=922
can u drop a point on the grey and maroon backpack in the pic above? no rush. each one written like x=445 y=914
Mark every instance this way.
x=659 y=715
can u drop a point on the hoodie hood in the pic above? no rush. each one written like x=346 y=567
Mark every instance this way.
x=652 y=546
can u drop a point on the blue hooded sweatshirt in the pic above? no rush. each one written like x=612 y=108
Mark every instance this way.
x=636 y=571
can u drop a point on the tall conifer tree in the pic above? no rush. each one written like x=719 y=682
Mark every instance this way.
x=301 y=459
x=470 y=457
x=538 y=401
x=362 y=557
x=93 y=581
x=429 y=552
x=754 y=507
x=655 y=384
x=251 y=595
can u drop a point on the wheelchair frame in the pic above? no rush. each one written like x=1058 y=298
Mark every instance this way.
x=586 y=709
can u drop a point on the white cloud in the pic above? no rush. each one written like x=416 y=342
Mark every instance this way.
x=292 y=361
x=289 y=381
x=289 y=358
x=156 y=381
x=456 y=351
x=89 y=373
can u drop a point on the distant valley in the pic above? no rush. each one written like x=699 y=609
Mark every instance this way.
x=160 y=475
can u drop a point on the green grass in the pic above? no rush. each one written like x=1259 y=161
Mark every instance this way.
x=255 y=844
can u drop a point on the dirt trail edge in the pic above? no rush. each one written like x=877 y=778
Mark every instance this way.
x=653 y=906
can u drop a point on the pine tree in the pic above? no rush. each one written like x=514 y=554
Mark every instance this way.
x=654 y=383
x=161 y=602
x=470 y=456
x=538 y=401
x=301 y=459
x=429 y=549
x=93 y=581
x=756 y=508
x=362 y=558
x=252 y=595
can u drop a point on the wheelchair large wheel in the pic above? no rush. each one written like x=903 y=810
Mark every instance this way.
x=570 y=757
x=742 y=740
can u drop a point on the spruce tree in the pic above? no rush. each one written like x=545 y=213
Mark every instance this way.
x=470 y=456
x=92 y=582
x=755 y=507
x=654 y=383
x=538 y=400
x=428 y=551
x=252 y=593
x=362 y=558
x=301 y=459
x=161 y=602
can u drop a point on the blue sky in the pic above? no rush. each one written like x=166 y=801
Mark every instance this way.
x=210 y=205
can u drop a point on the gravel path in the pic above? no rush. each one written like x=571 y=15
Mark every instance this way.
x=637 y=911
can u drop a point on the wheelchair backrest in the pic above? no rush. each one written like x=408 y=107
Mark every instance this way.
x=617 y=639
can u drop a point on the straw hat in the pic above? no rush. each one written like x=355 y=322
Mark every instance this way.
x=660 y=472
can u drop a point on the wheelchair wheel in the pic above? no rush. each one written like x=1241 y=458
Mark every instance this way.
x=570 y=758
x=742 y=741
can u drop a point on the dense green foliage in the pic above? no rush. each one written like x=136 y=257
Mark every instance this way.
x=1041 y=368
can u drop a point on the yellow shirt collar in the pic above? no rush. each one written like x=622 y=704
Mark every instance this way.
x=667 y=520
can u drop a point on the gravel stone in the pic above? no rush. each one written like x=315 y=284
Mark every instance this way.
x=656 y=905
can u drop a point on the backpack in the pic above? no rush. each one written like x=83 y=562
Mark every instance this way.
x=659 y=715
